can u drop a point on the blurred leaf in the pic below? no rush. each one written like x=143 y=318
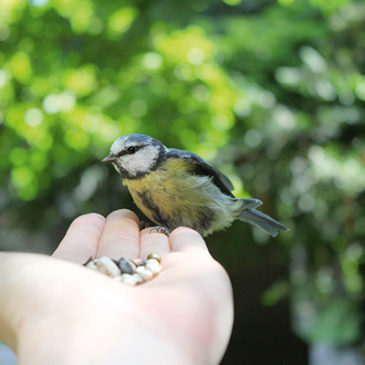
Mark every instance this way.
x=275 y=293
x=339 y=323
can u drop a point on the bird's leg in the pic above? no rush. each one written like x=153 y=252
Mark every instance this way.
x=158 y=229
x=161 y=229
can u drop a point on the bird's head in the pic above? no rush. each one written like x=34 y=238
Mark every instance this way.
x=135 y=155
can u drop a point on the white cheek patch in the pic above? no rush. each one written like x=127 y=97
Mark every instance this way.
x=141 y=161
x=117 y=146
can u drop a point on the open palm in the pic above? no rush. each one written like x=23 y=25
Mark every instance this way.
x=53 y=311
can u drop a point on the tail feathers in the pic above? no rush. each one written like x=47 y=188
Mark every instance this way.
x=250 y=203
x=263 y=221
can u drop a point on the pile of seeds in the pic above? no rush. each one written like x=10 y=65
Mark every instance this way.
x=131 y=272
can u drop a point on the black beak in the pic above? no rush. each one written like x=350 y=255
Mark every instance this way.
x=110 y=158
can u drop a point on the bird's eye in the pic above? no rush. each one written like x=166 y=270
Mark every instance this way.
x=131 y=149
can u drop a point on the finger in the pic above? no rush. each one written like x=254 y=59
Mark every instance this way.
x=153 y=242
x=120 y=236
x=184 y=239
x=81 y=239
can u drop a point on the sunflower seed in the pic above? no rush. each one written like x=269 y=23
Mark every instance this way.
x=106 y=266
x=126 y=266
x=91 y=265
x=144 y=273
x=128 y=279
x=154 y=266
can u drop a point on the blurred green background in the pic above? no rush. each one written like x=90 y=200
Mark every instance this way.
x=271 y=92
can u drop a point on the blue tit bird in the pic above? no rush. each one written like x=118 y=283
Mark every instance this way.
x=178 y=188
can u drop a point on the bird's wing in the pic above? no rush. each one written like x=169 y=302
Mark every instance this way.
x=201 y=167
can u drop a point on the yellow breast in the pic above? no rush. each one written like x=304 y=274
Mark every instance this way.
x=167 y=193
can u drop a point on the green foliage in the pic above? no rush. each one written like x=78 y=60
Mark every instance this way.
x=273 y=92
x=275 y=293
x=339 y=322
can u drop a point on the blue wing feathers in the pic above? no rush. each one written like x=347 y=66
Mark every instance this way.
x=201 y=167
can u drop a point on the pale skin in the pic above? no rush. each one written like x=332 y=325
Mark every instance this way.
x=54 y=311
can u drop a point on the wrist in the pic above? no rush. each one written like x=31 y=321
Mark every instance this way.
x=98 y=338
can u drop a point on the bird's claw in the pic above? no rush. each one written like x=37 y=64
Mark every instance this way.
x=160 y=229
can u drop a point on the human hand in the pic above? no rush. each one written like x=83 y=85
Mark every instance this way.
x=55 y=312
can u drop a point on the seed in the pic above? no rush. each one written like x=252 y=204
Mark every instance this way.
x=154 y=256
x=139 y=262
x=144 y=273
x=138 y=278
x=130 y=272
x=91 y=264
x=126 y=266
x=106 y=266
x=154 y=266
x=129 y=279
